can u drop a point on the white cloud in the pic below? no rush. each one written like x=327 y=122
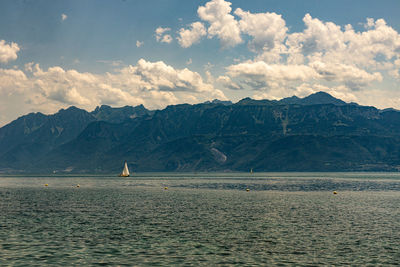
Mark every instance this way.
x=139 y=43
x=324 y=55
x=8 y=52
x=263 y=76
x=191 y=36
x=350 y=76
x=161 y=35
x=63 y=17
x=317 y=37
x=163 y=77
x=267 y=29
x=62 y=86
x=222 y=23
x=374 y=48
x=378 y=47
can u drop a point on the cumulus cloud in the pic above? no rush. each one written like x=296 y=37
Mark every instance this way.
x=267 y=29
x=8 y=52
x=222 y=23
x=263 y=76
x=154 y=84
x=160 y=76
x=324 y=53
x=187 y=37
x=375 y=48
x=62 y=86
x=378 y=47
x=162 y=36
x=317 y=37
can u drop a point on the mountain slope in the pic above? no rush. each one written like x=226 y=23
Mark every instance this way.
x=316 y=133
x=30 y=137
x=263 y=137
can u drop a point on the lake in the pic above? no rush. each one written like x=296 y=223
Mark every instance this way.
x=203 y=219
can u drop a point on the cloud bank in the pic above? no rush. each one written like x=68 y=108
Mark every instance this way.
x=154 y=84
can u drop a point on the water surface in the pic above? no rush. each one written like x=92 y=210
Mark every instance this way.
x=286 y=219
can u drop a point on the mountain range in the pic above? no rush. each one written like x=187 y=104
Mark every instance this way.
x=315 y=133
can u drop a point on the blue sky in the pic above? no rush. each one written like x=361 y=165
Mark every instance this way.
x=54 y=54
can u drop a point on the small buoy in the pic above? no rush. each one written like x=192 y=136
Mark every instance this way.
x=46 y=184
x=247 y=189
x=166 y=188
x=334 y=192
x=78 y=185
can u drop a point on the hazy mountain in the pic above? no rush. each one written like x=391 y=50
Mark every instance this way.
x=319 y=98
x=314 y=99
x=118 y=115
x=315 y=133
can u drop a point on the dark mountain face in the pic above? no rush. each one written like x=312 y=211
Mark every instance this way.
x=31 y=137
x=13 y=133
x=316 y=133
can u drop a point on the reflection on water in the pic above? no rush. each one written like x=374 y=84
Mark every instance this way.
x=201 y=220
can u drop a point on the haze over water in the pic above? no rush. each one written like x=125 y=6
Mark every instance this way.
x=286 y=219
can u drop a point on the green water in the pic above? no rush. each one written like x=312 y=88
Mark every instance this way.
x=286 y=219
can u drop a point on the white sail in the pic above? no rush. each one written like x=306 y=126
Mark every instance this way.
x=125 y=171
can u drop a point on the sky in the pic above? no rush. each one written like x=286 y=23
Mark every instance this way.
x=55 y=54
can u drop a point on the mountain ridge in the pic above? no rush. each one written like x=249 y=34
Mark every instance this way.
x=314 y=133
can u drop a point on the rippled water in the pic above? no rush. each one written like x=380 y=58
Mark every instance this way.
x=286 y=219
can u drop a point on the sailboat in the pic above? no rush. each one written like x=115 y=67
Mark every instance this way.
x=125 y=171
